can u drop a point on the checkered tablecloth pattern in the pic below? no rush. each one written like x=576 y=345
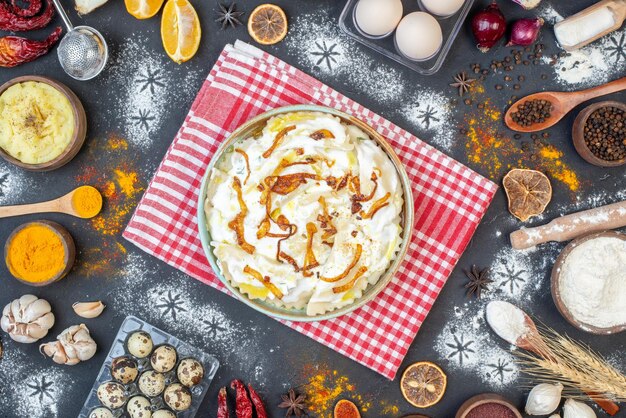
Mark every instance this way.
x=450 y=201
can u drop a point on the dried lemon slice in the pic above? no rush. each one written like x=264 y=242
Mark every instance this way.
x=423 y=384
x=267 y=24
x=528 y=191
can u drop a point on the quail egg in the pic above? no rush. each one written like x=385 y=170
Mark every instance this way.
x=151 y=383
x=139 y=407
x=101 y=412
x=177 y=397
x=124 y=369
x=190 y=372
x=163 y=413
x=140 y=344
x=111 y=395
x=163 y=358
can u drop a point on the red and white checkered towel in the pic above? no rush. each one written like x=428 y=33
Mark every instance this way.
x=450 y=201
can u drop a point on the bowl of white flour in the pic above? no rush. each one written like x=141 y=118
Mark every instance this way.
x=589 y=283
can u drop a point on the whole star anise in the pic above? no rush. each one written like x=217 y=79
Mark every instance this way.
x=478 y=281
x=229 y=16
x=294 y=404
x=462 y=83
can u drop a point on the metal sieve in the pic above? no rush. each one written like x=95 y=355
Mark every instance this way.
x=82 y=52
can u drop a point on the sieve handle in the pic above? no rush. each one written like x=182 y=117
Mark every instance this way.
x=64 y=18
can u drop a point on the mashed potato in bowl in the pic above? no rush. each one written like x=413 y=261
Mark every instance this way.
x=305 y=215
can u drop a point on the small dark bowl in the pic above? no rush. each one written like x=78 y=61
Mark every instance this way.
x=578 y=134
x=482 y=399
x=80 y=126
x=68 y=246
x=556 y=276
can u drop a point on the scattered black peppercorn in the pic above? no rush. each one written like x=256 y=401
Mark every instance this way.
x=605 y=133
x=517 y=136
x=531 y=112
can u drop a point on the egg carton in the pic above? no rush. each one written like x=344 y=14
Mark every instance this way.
x=159 y=337
x=450 y=27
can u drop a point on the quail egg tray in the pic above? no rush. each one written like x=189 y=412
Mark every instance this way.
x=159 y=337
x=450 y=27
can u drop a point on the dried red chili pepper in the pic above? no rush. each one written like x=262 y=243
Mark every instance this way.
x=243 y=406
x=34 y=7
x=258 y=403
x=13 y=21
x=222 y=406
x=15 y=50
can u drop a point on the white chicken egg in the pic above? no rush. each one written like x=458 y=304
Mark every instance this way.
x=442 y=8
x=378 y=18
x=419 y=36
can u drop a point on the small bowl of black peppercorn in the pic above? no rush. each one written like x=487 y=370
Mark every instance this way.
x=599 y=134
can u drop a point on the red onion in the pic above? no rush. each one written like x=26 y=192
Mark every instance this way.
x=527 y=4
x=525 y=31
x=488 y=26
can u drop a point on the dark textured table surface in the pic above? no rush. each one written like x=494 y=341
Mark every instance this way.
x=134 y=110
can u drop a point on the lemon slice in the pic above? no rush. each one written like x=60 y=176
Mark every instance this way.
x=143 y=9
x=180 y=30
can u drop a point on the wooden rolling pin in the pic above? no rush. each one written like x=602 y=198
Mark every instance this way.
x=571 y=226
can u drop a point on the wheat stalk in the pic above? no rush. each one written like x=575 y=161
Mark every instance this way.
x=577 y=367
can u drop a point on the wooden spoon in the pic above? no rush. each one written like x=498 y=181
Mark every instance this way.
x=533 y=341
x=62 y=204
x=562 y=104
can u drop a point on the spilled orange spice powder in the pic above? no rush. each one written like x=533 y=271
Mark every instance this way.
x=326 y=387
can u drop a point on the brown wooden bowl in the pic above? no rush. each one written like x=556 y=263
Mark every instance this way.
x=482 y=399
x=556 y=293
x=578 y=134
x=80 y=126
x=68 y=246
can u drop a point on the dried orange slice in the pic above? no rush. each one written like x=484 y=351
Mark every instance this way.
x=143 y=9
x=180 y=30
x=423 y=384
x=267 y=24
x=345 y=408
x=528 y=191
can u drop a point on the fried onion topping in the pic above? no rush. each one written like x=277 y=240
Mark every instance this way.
x=376 y=206
x=325 y=220
x=245 y=157
x=237 y=223
x=344 y=274
x=277 y=140
x=322 y=134
x=344 y=288
x=309 y=259
x=286 y=184
x=265 y=280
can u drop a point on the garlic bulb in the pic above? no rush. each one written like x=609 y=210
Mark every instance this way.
x=72 y=346
x=89 y=309
x=543 y=399
x=574 y=409
x=27 y=319
x=87 y=6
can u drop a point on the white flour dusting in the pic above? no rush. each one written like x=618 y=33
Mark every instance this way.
x=173 y=305
x=595 y=64
x=321 y=49
x=13 y=183
x=549 y=14
x=28 y=390
x=431 y=112
x=467 y=345
x=148 y=89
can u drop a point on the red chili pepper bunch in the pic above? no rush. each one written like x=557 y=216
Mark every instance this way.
x=243 y=404
x=15 y=50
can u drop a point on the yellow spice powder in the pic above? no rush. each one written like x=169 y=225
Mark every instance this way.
x=36 y=254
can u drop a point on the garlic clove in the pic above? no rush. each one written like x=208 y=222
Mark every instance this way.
x=555 y=416
x=35 y=310
x=575 y=409
x=89 y=309
x=544 y=398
